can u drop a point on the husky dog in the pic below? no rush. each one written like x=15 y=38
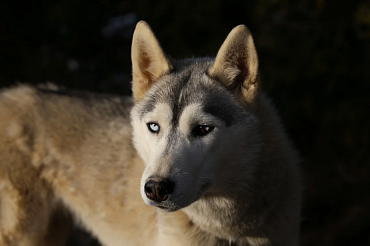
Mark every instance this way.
x=199 y=142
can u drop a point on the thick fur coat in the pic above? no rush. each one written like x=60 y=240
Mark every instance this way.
x=197 y=157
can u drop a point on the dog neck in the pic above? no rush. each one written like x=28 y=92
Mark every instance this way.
x=220 y=216
x=177 y=228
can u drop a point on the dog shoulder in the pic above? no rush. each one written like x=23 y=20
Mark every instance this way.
x=18 y=96
x=16 y=106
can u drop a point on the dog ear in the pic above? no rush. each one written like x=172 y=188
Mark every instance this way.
x=148 y=60
x=236 y=65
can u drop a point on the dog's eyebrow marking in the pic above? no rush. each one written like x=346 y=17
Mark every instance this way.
x=150 y=103
x=170 y=93
x=222 y=107
x=223 y=112
x=186 y=91
x=161 y=113
x=194 y=114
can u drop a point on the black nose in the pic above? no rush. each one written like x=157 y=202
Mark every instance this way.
x=158 y=189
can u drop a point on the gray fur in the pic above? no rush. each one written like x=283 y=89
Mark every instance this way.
x=91 y=155
x=188 y=83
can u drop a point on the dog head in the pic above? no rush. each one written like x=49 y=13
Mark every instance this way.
x=193 y=121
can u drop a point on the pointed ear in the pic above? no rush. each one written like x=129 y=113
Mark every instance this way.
x=236 y=65
x=148 y=60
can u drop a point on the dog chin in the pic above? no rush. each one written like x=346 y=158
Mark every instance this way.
x=164 y=206
x=168 y=209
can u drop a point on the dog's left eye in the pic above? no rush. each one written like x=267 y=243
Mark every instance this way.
x=153 y=127
x=202 y=130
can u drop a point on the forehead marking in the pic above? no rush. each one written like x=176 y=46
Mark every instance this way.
x=182 y=90
x=195 y=114
x=161 y=113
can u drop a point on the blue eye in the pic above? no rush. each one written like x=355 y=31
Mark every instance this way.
x=153 y=127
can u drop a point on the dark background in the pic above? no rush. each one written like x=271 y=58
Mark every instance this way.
x=314 y=61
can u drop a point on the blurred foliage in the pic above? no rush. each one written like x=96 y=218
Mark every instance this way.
x=314 y=61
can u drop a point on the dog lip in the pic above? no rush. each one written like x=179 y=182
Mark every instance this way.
x=171 y=208
x=167 y=209
x=204 y=188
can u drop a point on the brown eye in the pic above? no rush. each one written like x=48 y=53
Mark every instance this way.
x=202 y=130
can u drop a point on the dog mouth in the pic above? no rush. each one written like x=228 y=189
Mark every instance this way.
x=172 y=207
x=168 y=209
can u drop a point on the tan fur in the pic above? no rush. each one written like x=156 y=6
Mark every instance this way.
x=148 y=60
x=236 y=65
x=66 y=153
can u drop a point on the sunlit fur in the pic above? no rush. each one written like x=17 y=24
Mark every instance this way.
x=89 y=155
x=239 y=182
